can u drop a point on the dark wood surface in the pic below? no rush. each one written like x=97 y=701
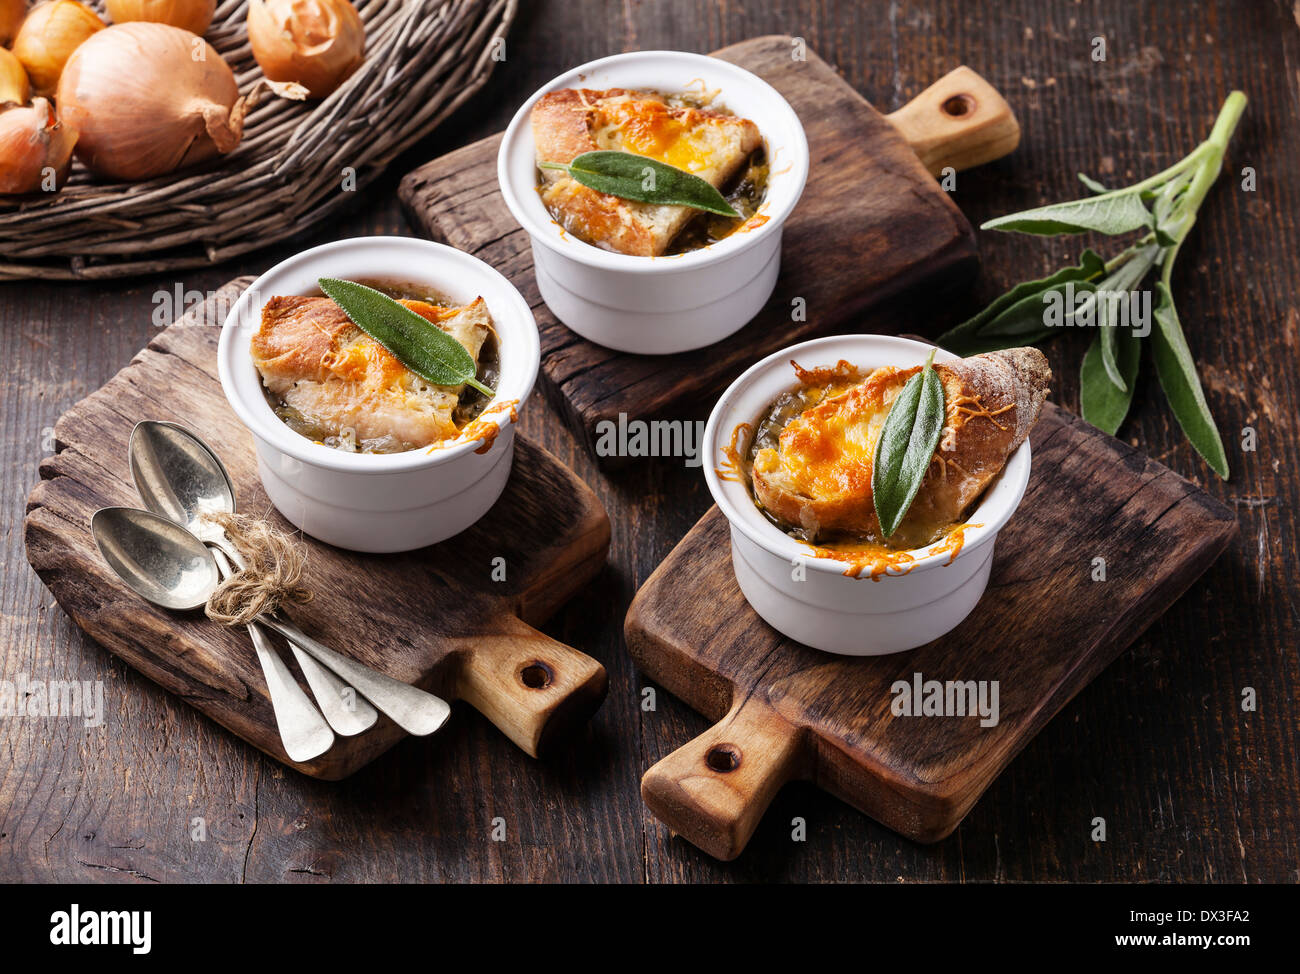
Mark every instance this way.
x=438 y=618
x=1191 y=787
x=1045 y=627
x=872 y=222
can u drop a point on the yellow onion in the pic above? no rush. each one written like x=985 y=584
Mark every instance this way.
x=192 y=15
x=49 y=35
x=13 y=79
x=144 y=106
x=12 y=13
x=316 y=43
x=35 y=148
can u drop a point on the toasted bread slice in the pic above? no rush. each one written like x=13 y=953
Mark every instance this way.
x=572 y=121
x=316 y=361
x=820 y=479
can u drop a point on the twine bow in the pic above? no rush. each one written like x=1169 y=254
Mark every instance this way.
x=272 y=576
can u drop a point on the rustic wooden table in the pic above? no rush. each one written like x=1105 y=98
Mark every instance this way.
x=1191 y=787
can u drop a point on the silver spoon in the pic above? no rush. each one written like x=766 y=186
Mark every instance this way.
x=146 y=560
x=164 y=563
x=180 y=477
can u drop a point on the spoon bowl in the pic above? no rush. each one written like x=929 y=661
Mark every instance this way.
x=161 y=561
x=179 y=477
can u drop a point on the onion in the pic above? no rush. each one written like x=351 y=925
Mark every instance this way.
x=13 y=79
x=192 y=15
x=35 y=148
x=316 y=43
x=49 y=35
x=144 y=106
x=12 y=13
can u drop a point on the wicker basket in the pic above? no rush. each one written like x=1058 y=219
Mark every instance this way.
x=295 y=164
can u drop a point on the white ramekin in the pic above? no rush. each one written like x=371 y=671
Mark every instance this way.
x=827 y=609
x=660 y=305
x=381 y=502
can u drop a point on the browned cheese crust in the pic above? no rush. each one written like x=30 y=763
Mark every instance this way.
x=315 y=360
x=572 y=121
x=820 y=480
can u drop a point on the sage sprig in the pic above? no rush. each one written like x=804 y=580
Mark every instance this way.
x=1163 y=208
x=632 y=177
x=906 y=446
x=416 y=342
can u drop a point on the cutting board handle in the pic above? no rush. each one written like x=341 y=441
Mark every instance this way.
x=959 y=121
x=714 y=790
x=533 y=688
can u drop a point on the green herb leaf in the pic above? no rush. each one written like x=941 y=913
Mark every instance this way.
x=906 y=446
x=1117 y=287
x=633 y=177
x=1118 y=211
x=417 y=343
x=1102 y=403
x=1182 y=386
x=1004 y=324
x=1091 y=183
x=1026 y=319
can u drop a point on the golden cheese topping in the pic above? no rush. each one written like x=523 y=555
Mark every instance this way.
x=649 y=128
x=333 y=383
x=828 y=451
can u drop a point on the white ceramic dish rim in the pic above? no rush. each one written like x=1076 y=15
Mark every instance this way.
x=549 y=234
x=261 y=420
x=993 y=511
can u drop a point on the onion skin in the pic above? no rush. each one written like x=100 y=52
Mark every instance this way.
x=32 y=140
x=144 y=106
x=12 y=13
x=192 y=15
x=13 y=79
x=316 y=43
x=48 y=37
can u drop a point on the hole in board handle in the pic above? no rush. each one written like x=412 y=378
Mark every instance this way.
x=723 y=758
x=537 y=675
x=958 y=105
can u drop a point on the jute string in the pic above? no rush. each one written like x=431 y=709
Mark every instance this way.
x=272 y=576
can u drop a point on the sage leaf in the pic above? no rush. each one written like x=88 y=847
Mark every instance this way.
x=632 y=177
x=1102 y=403
x=1177 y=373
x=906 y=446
x=1115 y=288
x=972 y=337
x=416 y=342
x=1026 y=319
x=1118 y=211
x=1091 y=183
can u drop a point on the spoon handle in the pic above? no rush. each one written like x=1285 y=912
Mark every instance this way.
x=345 y=709
x=410 y=708
x=303 y=731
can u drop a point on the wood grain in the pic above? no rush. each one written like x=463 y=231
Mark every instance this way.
x=871 y=223
x=1045 y=627
x=438 y=617
x=1193 y=788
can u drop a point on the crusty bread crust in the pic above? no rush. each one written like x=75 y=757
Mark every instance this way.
x=820 y=481
x=572 y=121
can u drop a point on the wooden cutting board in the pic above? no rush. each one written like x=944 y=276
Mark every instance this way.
x=434 y=617
x=872 y=222
x=1043 y=630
